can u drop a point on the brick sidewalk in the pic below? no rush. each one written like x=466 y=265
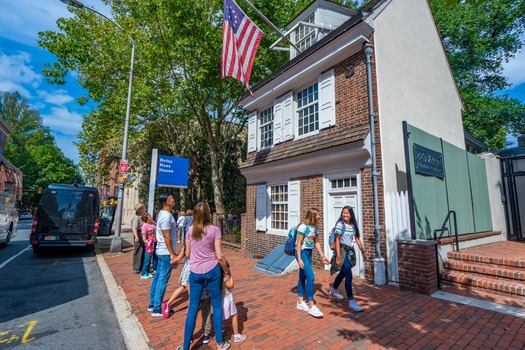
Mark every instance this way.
x=267 y=315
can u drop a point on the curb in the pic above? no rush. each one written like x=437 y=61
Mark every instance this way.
x=132 y=331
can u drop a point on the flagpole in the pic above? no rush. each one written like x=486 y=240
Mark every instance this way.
x=271 y=25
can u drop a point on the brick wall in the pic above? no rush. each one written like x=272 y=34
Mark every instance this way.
x=417 y=266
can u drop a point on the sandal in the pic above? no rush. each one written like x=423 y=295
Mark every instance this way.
x=225 y=345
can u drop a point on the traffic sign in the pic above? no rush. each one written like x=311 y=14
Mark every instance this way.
x=122 y=178
x=123 y=166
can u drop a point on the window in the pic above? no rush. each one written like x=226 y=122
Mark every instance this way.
x=308 y=110
x=305 y=35
x=279 y=200
x=350 y=182
x=266 y=127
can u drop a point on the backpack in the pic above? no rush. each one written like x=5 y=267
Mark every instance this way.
x=291 y=241
x=331 y=239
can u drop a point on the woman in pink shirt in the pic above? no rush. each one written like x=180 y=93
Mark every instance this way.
x=204 y=249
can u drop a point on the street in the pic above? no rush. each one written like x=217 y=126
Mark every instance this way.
x=54 y=300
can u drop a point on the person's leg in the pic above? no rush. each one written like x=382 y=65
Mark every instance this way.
x=196 y=282
x=164 y=273
x=176 y=293
x=214 y=278
x=145 y=265
x=235 y=324
x=138 y=253
x=309 y=274
x=152 y=291
x=155 y=260
x=338 y=279
x=347 y=271
x=206 y=315
x=300 y=283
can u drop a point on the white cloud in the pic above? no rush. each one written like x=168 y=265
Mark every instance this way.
x=515 y=69
x=64 y=121
x=17 y=71
x=23 y=19
x=57 y=97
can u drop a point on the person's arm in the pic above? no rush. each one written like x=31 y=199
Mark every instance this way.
x=338 y=259
x=220 y=256
x=167 y=242
x=135 y=229
x=179 y=257
x=320 y=251
x=298 y=244
x=229 y=282
x=360 y=245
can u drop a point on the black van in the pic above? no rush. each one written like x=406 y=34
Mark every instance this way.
x=67 y=216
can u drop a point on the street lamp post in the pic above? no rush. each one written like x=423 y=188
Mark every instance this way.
x=116 y=242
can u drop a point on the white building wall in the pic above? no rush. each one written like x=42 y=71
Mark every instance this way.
x=414 y=83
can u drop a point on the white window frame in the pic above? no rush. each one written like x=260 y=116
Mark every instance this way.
x=274 y=230
x=299 y=109
x=260 y=126
x=310 y=38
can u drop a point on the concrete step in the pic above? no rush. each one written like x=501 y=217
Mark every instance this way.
x=499 y=272
x=510 y=288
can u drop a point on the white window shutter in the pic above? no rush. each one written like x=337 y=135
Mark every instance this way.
x=260 y=208
x=252 y=132
x=288 y=116
x=294 y=203
x=278 y=121
x=326 y=100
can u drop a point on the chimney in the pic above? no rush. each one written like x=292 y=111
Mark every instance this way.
x=521 y=140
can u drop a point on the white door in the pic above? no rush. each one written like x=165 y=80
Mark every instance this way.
x=336 y=202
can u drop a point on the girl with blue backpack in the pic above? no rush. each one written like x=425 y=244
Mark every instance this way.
x=346 y=232
x=307 y=234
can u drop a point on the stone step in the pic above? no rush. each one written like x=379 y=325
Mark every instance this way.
x=512 y=262
x=514 y=288
x=498 y=272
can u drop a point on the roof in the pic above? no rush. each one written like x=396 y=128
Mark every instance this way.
x=326 y=3
x=305 y=54
x=296 y=148
x=515 y=152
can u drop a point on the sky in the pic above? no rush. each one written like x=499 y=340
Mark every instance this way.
x=22 y=61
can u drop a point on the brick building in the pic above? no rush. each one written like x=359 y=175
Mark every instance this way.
x=309 y=135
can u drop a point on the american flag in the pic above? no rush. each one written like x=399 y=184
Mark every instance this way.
x=240 y=40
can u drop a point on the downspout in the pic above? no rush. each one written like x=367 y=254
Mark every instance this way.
x=379 y=262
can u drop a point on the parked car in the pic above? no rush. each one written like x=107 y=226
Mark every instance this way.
x=25 y=215
x=67 y=216
x=8 y=218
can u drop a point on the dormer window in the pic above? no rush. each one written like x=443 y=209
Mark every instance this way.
x=305 y=35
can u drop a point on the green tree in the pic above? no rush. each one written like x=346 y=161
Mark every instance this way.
x=176 y=75
x=32 y=148
x=479 y=36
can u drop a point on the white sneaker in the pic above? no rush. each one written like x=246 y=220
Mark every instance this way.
x=353 y=305
x=303 y=306
x=239 y=337
x=335 y=293
x=315 y=312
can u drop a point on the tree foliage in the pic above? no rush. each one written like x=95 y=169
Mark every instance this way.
x=479 y=37
x=32 y=148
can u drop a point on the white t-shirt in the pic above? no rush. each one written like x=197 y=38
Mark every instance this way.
x=165 y=221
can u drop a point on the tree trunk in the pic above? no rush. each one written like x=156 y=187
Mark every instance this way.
x=217 y=179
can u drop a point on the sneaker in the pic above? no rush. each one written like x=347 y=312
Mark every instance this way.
x=225 y=345
x=303 y=306
x=315 y=312
x=156 y=314
x=136 y=272
x=150 y=308
x=353 y=305
x=206 y=338
x=166 y=308
x=335 y=293
x=239 y=337
x=145 y=277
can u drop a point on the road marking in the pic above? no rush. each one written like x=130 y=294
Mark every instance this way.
x=12 y=337
x=13 y=257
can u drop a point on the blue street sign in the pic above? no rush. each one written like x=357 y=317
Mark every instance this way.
x=172 y=171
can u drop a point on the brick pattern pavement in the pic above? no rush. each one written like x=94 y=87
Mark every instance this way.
x=267 y=315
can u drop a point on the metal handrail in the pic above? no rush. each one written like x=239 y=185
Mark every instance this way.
x=443 y=229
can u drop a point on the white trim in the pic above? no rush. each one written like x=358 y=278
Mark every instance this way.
x=252 y=132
